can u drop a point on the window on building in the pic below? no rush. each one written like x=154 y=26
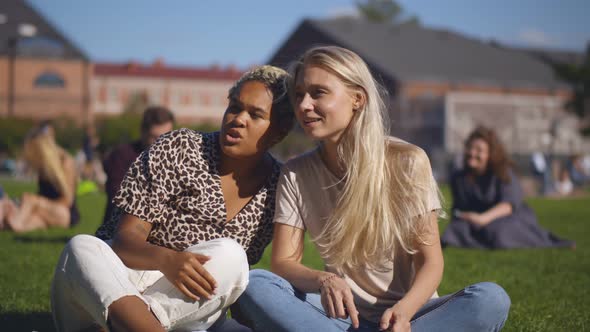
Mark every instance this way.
x=123 y=96
x=427 y=94
x=113 y=94
x=165 y=97
x=174 y=97
x=205 y=99
x=49 y=79
x=186 y=99
x=155 y=97
x=102 y=94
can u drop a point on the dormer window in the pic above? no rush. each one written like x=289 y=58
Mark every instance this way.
x=49 y=80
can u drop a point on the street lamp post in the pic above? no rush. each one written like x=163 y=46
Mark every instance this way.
x=11 y=73
x=24 y=30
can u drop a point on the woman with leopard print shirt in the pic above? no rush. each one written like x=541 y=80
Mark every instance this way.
x=193 y=211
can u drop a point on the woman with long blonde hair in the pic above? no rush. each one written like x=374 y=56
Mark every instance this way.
x=55 y=204
x=370 y=204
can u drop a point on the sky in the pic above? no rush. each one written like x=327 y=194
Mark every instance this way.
x=244 y=33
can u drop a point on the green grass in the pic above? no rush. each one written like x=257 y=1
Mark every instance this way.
x=549 y=288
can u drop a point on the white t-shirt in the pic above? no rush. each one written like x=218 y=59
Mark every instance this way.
x=307 y=194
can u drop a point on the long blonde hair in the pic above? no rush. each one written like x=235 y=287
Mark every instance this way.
x=45 y=156
x=383 y=205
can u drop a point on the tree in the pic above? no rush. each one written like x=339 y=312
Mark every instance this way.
x=136 y=104
x=382 y=11
x=578 y=77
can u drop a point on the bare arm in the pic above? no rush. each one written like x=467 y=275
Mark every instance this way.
x=287 y=252
x=499 y=210
x=429 y=265
x=130 y=244
x=184 y=269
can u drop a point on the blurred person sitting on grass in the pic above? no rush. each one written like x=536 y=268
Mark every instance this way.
x=156 y=121
x=55 y=203
x=564 y=186
x=488 y=207
x=578 y=171
x=194 y=210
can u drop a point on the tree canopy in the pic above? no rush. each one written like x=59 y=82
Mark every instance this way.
x=577 y=75
x=382 y=11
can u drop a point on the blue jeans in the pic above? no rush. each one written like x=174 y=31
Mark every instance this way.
x=270 y=303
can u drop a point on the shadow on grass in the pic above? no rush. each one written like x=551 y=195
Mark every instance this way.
x=41 y=239
x=18 y=321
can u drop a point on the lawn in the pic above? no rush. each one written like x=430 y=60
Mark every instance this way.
x=549 y=288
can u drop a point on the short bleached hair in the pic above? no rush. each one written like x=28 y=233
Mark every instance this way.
x=275 y=79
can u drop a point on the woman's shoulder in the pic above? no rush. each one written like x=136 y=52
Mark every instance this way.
x=511 y=172
x=302 y=161
x=511 y=175
x=305 y=169
x=184 y=138
x=181 y=134
x=402 y=152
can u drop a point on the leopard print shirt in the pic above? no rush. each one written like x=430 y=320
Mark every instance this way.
x=175 y=185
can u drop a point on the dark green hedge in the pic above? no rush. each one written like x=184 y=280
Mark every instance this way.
x=14 y=130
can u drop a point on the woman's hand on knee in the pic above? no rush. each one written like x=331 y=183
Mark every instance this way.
x=474 y=218
x=186 y=272
x=395 y=319
x=337 y=299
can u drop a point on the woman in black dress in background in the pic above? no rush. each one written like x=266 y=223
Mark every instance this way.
x=488 y=207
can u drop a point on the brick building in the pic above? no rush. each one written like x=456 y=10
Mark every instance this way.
x=193 y=94
x=442 y=84
x=42 y=73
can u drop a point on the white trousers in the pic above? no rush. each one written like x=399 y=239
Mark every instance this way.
x=90 y=276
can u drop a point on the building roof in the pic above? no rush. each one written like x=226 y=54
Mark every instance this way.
x=159 y=70
x=555 y=56
x=47 y=41
x=411 y=52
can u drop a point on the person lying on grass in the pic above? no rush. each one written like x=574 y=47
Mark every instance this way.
x=194 y=210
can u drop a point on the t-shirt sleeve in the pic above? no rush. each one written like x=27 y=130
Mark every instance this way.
x=420 y=175
x=511 y=192
x=153 y=179
x=433 y=202
x=287 y=201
